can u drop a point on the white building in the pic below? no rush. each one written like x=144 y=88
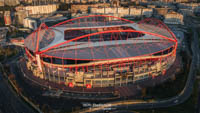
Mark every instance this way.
x=181 y=1
x=11 y=2
x=81 y=1
x=147 y=12
x=2 y=3
x=21 y=14
x=121 y=12
x=30 y=23
x=188 y=5
x=136 y=12
x=173 y=18
x=41 y=9
x=195 y=7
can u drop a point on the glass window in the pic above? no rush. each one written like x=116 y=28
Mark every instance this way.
x=117 y=79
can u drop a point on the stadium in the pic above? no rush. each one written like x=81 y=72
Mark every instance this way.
x=100 y=51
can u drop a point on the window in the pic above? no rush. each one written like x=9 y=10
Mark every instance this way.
x=104 y=81
x=117 y=79
x=88 y=81
x=97 y=82
x=62 y=79
x=70 y=80
x=130 y=78
x=123 y=78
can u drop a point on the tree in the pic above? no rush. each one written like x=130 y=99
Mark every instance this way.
x=144 y=92
x=11 y=76
x=45 y=108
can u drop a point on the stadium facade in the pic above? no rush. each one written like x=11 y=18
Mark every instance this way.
x=100 y=51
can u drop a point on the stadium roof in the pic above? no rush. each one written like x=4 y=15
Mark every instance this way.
x=116 y=40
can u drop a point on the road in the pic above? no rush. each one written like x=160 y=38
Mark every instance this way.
x=180 y=98
x=198 y=66
x=198 y=104
x=10 y=102
x=16 y=105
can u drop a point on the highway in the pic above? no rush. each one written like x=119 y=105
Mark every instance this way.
x=180 y=98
